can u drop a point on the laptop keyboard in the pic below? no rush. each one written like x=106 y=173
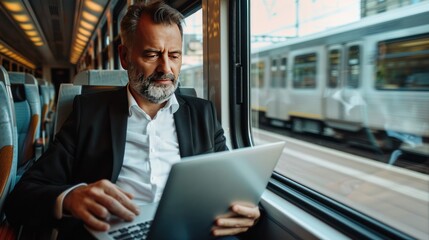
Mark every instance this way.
x=136 y=231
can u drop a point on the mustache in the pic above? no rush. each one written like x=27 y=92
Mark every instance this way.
x=157 y=76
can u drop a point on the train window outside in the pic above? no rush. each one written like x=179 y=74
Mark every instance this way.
x=356 y=118
x=403 y=64
x=304 y=71
x=334 y=59
x=191 y=74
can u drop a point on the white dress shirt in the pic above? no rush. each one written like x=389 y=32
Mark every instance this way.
x=151 y=148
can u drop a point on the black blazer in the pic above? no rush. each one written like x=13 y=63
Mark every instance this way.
x=90 y=147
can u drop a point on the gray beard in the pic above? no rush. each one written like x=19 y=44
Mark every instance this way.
x=149 y=89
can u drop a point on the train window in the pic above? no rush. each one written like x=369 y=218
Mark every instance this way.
x=105 y=40
x=403 y=64
x=359 y=133
x=14 y=67
x=192 y=74
x=275 y=78
x=304 y=71
x=257 y=71
x=96 y=53
x=283 y=72
x=353 y=67
x=334 y=59
x=118 y=13
x=278 y=72
x=6 y=64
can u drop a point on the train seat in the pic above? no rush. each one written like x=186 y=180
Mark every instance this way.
x=66 y=95
x=68 y=91
x=4 y=79
x=26 y=99
x=46 y=114
x=188 y=91
x=8 y=153
x=102 y=78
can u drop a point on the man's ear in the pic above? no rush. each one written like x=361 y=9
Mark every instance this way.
x=123 y=54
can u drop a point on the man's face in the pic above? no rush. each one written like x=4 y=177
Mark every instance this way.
x=154 y=60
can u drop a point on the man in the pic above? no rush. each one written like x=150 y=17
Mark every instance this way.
x=116 y=149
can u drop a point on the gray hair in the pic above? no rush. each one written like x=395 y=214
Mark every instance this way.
x=159 y=11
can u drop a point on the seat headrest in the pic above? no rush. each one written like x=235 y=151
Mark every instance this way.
x=101 y=78
x=18 y=92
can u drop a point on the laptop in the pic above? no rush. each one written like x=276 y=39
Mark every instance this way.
x=198 y=189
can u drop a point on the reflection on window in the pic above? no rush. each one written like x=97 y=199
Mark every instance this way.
x=403 y=64
x=304 y=71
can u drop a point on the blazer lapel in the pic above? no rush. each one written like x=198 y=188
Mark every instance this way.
x=118 y=111
x=183 y=128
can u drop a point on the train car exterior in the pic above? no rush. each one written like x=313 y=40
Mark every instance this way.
x=348 y=79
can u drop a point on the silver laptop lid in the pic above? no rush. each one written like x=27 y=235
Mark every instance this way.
x=202 y=187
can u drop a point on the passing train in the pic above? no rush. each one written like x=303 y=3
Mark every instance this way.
x=349 y=100
x=366 y=82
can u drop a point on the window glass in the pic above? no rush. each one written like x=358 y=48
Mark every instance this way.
x=105 y=41
x=14 y=67
x=304 y=71
x=283 y=72
x=403 y=64
x=96 y=51
x=353 y=67
x=334 y=59
x=275 y=81
x=192 y=74
x=356 y=118
x=6 y=64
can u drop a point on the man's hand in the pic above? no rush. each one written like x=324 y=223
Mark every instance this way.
x=241 y=217
x=95 y=203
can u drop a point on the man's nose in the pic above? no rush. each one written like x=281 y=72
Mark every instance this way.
x=164 y=65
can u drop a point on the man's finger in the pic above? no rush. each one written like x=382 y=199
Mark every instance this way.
x=234 y=222
x=94 y=223
x=246 y=211
x=123 y=198
x=116 y=208
x=227 y=231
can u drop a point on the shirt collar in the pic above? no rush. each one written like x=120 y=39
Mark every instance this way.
x=172 y=103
